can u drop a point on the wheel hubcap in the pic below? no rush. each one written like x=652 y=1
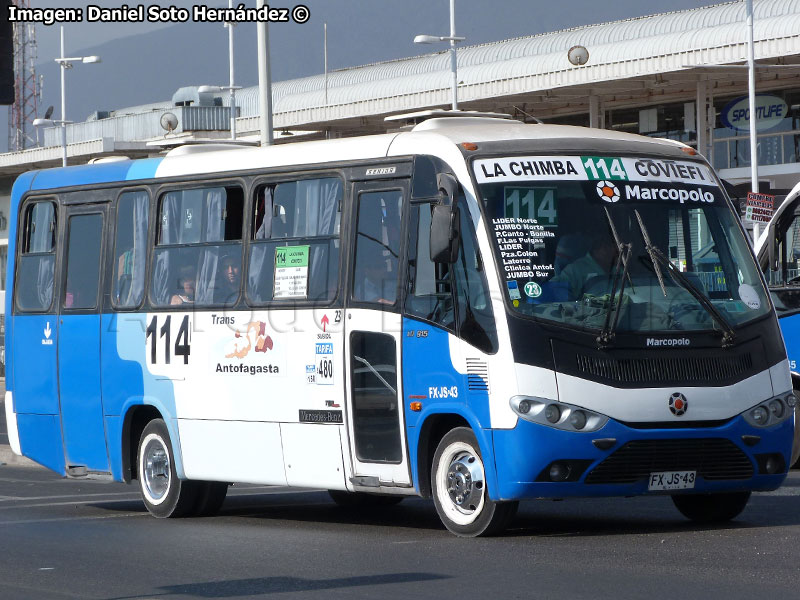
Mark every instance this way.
x=465 y=482
x=156 y=469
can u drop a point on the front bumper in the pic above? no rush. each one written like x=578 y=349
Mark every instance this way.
x=522 y=455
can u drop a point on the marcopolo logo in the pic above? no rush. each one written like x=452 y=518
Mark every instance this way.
x=636 y=192
x=607 y=191
x=668 y=342
x=678 y=404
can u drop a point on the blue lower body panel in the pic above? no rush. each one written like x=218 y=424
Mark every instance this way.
x=523 y=454
x=40 y=438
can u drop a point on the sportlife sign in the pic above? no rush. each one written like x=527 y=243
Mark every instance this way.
x=591 y=168
x=770 y=111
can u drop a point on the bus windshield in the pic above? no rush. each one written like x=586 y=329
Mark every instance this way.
x=646 y=244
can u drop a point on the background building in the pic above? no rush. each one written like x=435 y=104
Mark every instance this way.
x=679 y=75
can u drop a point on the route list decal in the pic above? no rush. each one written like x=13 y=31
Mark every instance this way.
x=520 y=241
x=291 y=272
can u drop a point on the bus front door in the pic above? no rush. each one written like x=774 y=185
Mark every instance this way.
x=376 y=424
x=79 y=343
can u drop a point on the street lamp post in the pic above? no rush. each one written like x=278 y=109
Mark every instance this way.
x=453 y=39
x=66 y=63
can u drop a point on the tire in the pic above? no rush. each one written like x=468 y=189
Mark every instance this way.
x=210 y=496
x=711 y=508
x=363 y=499
x=459 y=488
x=163 y=493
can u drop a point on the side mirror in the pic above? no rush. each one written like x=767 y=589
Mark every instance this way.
x=445 y=223
x=445 y=233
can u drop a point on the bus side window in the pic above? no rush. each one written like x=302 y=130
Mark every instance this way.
x=198 y=254
x=36 y=270
x=377 y=247
x=301 y=217
x=476 y=323
x=430 y=291
x=130 y=249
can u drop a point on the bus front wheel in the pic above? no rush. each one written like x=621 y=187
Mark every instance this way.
x=163 y=493
x=459 y=488
x=711 y=508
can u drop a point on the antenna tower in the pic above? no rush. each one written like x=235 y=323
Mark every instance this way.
x=27 y=87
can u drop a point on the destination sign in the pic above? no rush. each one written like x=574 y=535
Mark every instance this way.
x=591 y=168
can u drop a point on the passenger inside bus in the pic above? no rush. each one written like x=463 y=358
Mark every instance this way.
x=227 y=289
x=185 y=286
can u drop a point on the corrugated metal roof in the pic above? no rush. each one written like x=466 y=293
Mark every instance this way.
x=622 y=49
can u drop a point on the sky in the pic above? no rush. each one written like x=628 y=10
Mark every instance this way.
x=146 y=62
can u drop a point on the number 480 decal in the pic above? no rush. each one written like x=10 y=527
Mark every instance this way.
x=182 y=344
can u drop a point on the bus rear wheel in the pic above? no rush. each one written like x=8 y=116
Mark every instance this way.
x=459 y=488
x=711 y=508
x=163 y=493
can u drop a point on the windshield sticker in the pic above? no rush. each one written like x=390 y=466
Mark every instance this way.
x=513 y=290
x=591 y=168
x=533 y=289
x=749 y=296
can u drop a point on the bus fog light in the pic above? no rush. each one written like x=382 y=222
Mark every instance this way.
x=776 y=408
x=772 y=465
x=791 y=400
x=524 y=407
x=578 y=419
x=552 y=413
x=559 y=471
x=760 y=415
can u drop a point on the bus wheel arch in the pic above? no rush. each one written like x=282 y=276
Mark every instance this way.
x=460 y=490
x=433 y=429
x=163 y=492
x=136 y=419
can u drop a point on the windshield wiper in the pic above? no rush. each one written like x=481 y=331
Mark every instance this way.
x=728 y=335
x=623 y=255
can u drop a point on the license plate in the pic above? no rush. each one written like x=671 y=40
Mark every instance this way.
x=671 y=480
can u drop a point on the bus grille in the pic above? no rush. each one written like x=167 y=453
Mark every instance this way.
x=713 y=459
x=682 y=369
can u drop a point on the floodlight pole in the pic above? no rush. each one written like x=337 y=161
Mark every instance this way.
x=751 y=84
x=453 y=58
x=264 y=81
x=231 y=70
x=64 y=66
x=453 y=39
x=66 y=63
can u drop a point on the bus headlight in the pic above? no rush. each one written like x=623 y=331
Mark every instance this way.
x=772 y=411
x=557 y=414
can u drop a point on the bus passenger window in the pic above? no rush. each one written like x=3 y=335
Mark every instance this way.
x=200 y=231
x=301 y=217
x=377 y=247
x=83 y=261
x=430 y=293
x=475 y=316
x=36 y=270
x=130 y=249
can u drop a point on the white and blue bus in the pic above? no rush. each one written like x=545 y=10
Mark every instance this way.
x=778 y=250
x=474 y=310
